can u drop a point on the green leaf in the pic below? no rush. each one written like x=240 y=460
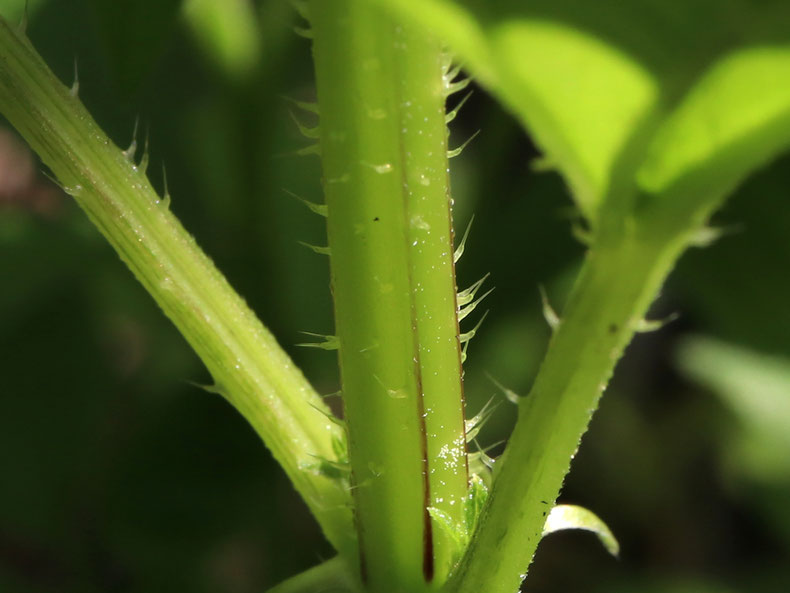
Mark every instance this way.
x=734 y=119
x=569 y=516
x=609 y=89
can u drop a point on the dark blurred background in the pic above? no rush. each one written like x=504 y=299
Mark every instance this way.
x=117 y=475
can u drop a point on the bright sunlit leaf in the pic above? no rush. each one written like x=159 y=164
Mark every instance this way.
x=630 y=97
x=569 y=516
x=734 y=119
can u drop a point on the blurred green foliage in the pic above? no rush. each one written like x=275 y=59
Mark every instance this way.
x=118 y=475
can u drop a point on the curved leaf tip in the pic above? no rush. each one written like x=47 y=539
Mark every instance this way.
x=569 y=516
x=733 y=120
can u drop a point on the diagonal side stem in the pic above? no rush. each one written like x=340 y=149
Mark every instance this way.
x=615 y=287
x=247 y=364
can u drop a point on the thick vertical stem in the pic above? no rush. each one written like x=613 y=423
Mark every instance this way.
x=383 y=147
x=429 y=224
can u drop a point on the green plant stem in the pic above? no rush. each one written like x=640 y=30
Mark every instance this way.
x=616 y=285
x=383 y=146
x=433 y=287
x=248 y=366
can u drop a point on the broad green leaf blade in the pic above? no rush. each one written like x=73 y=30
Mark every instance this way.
x=581 y=98
x=734 y=119
x=569 y=516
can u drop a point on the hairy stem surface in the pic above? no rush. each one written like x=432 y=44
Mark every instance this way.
x=248 y=366
x=615 y=287
x=383 y=146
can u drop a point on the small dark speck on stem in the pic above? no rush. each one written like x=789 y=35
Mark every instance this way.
x=376 y=219
x=613 y=328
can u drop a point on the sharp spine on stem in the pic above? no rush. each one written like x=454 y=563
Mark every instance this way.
x=320 y=209
x=305 y=32
x=466 y=296
x=317 y=248
x=314 y=148
x=71 y=191
x=313 y=133
x=707 y=235
x=165 y=201
x=481 y=456
x=452 y=71
x=329 y=416
x=74 y=91
x=509 y=394
x=466 y=337
x=22 y=26
x=456 y=151
x=473 y=425
x=582 y=234
x=329 y=342
x=308 y=106
x=451 y=115
x=467 y=309
x=459 y=251
x=644 y=326
x=448 y=79
x=549 y=314
x=55 y=181
x=143 y=166
x=454 y=87
x=130 y=152
x=213 y=388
